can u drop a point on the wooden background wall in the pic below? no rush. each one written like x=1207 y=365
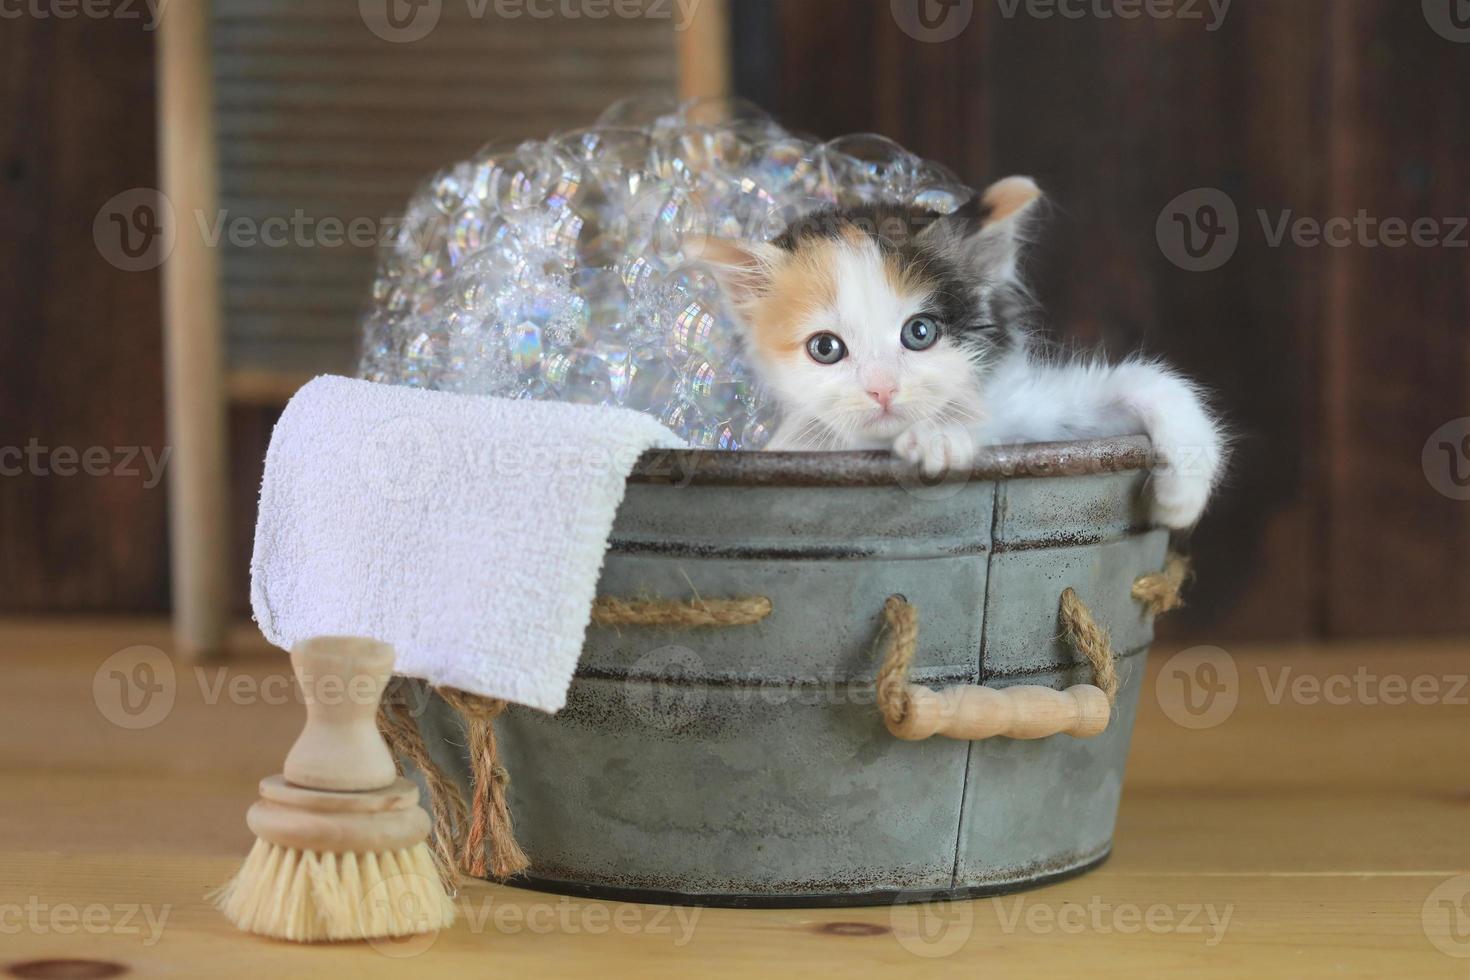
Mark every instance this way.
x=80 y=343
x=1335 y=365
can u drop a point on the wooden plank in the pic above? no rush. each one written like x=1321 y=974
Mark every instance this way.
x=1397 y=348
x=1293 y=838
x=80 y=345
x=1243 y=115
x=1340 y=926
x=704 y=52
x=846 y=67
x=193 y=329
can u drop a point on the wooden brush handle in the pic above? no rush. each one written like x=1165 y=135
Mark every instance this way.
x=969 y=712
x=340 y=748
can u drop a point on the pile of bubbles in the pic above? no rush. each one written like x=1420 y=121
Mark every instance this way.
x=569 y=269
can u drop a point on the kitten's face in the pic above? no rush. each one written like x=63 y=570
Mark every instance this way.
x=866 y=322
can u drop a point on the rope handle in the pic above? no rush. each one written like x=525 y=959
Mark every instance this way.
x=475 y=835
x=969 y=712
x=696 y=612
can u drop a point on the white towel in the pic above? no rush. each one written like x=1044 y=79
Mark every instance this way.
x=468 y=532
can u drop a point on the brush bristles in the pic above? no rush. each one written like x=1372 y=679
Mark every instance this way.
x=308 y=897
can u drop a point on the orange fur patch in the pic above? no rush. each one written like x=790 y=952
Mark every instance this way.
x=800 y=287
x=903 y=279
x=1007 y=197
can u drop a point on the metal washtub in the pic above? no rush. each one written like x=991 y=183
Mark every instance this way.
x=749 y=765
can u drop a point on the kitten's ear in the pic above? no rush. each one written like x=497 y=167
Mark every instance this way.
x=992 y=227
x=744 y=269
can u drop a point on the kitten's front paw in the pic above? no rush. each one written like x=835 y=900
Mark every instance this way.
x=1180 y=495
x=936 y=450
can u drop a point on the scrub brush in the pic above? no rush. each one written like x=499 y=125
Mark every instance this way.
x=341 y=848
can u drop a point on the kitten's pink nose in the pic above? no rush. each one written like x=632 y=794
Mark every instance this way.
x=883 y=395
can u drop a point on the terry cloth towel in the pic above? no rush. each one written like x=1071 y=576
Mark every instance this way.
x=466 y=531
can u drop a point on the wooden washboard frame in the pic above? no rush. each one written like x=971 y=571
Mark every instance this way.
x=198 y=386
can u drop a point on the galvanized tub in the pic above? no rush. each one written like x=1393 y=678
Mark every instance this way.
x=749 y=765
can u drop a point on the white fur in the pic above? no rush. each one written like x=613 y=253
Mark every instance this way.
x=940 y=414
x=828 y=405
x=1030 y=399
x=948 y=402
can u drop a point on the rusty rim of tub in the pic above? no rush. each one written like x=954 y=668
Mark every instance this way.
x=712 y=467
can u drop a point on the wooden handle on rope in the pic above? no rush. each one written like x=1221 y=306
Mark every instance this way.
x=968 y=712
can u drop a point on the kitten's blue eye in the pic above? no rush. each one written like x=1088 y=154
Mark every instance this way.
x=919 y=333
x=826 y=348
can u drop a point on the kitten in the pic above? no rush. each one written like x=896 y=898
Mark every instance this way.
x=889 y=327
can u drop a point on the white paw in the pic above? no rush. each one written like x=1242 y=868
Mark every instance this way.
x=936 y=450
x=1180 y=497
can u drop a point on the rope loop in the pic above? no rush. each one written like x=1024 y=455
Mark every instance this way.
x=901 y=624
x=1090 y=640
x=480 y=829
x=1158 y=591
x=490 y=829
x=1162 y=591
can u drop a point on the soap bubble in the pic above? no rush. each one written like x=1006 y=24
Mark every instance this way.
x=641 y=112
x=569 y=268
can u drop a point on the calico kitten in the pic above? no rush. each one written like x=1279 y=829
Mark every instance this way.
x=894 y=328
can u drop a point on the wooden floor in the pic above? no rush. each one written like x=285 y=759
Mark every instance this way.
x=1317 y=825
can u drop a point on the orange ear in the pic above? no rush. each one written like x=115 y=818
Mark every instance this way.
x=1008 y=199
